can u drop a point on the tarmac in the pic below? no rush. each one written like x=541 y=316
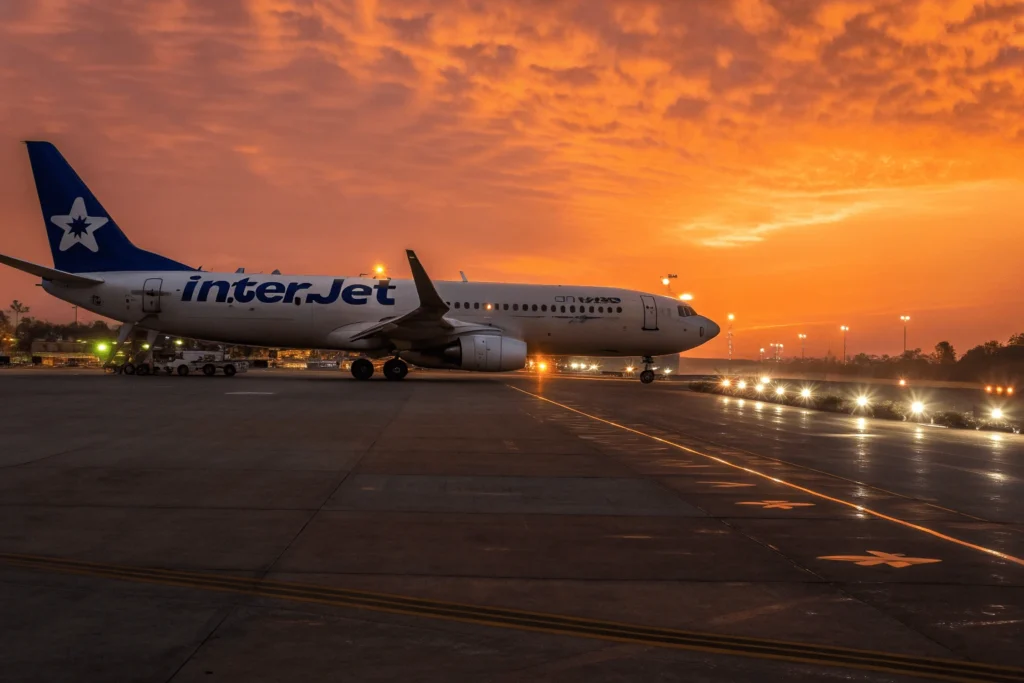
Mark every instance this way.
x=282 y=526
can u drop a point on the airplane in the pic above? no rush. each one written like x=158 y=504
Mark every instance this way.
x=476 y=326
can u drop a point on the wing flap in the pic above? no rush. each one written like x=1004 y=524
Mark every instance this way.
x=427 y=320
x=49 y=273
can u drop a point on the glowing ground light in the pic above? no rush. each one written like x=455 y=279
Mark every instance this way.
x=178 y=342
x=742 y=385
x=765 y=379
x=102 y=347
x=917 y=407
x=543 y=367
x=726 y=383
x=903 y=382
x=988 y=389
x=997 y=414
x=862 y=401
x=805 y=393
x=779 y=391
x=629 y=368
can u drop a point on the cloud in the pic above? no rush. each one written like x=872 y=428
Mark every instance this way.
x=687 y=108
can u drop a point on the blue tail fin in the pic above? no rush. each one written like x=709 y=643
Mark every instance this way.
x=83 y=236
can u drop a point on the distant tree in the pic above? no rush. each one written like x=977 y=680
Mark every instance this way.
x=1016 y=340
x=944 y=354
x=912 y=354
x=18 y=309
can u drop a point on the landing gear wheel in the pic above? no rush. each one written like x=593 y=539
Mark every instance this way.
x=142 y=370
x=229 y=370
x=647 y=376
x=182 y=371
x=396 y=369
x=362 y=368
x=209 y=369
x=128 y=368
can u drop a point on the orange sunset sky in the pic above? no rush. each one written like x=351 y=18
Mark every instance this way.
x=800 y=164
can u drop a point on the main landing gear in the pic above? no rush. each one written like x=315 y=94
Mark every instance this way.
x=647 y=376
x=395 y=369
x=362 y=368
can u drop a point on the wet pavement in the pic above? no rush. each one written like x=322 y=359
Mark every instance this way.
x=151 y=509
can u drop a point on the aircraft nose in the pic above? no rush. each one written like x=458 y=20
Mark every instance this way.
x=712 y=329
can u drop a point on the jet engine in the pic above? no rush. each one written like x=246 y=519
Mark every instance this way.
x=479 y=352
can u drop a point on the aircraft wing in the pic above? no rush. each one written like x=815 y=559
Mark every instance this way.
x=49 y=273
x=425 y=322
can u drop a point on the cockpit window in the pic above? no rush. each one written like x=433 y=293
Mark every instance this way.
x=686 y=311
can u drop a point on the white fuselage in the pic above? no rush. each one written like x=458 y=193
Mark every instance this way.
x=325 y=312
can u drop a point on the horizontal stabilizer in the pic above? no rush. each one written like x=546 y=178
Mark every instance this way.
x=49 y=273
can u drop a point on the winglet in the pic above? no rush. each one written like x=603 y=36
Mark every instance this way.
x=430 y=300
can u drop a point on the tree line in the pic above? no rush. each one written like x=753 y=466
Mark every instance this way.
x=992 y=361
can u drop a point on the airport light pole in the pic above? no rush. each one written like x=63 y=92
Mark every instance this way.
x=803 y=339
x=845 y=329
x=729 y=336
x=761 y=359
x=905 y=319
x=667 y=281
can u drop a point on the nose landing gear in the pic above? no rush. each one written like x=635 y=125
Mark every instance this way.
x=647 y=376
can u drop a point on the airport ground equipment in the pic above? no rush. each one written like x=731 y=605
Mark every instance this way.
x=209 y=363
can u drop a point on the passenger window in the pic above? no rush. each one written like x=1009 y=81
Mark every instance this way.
x=591 y=309
x=563 y=309
x=618 y=309
x=476 y=304
x=466 y=304
x=572 y=309
x=456 y=304
x=535 y=307
x=515 y=307
x=600 y=309
x=505 y=306
x=544 y=307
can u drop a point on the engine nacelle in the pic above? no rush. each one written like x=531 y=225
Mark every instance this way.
x=479 y=352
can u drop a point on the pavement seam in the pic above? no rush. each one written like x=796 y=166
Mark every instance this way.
x=760 y=648
x=261 y=575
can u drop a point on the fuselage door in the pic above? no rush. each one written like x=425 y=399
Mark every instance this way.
x=151 y=295
x=650 y=312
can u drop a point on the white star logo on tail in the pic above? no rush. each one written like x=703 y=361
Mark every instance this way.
x=78 y=227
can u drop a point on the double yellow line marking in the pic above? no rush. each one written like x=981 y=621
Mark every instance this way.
x=811 y=492
x=943 y=669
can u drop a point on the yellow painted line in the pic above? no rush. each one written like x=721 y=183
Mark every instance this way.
x=760 y=648
x=860 y=508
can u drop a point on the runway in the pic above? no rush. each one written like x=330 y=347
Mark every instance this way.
x=457 y=527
